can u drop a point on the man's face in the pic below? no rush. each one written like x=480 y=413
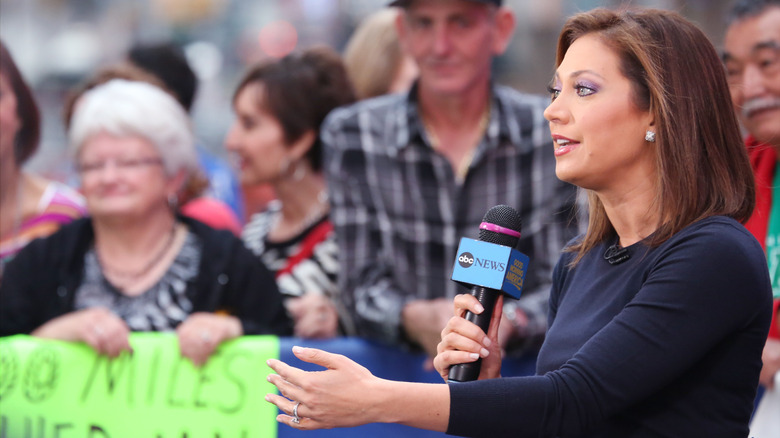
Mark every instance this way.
x=453 y=42
x=752 y=58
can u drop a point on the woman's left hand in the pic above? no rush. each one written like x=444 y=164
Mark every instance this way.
x=336 y=397
x=201 y=333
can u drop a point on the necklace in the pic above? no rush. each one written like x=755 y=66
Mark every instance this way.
x=130 y=276
x=314 y=215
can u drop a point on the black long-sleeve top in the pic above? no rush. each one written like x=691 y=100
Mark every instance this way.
x=665 y=344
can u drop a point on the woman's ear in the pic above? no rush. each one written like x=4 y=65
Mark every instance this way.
x=299 y=148
x=176 y=183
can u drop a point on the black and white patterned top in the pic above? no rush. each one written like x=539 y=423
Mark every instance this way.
x=306 y=263
x=161 y=308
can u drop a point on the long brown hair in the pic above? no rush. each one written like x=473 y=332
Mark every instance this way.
x=677 y=75
x=26 y=141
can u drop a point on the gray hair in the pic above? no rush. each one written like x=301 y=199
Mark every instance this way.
x=136 y=109
x=742 y=9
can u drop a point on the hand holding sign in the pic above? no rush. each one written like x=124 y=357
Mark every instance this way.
x=63 y=389
x=105 y=332
x=201 y=333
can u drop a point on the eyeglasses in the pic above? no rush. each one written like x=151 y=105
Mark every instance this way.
x=122 y=164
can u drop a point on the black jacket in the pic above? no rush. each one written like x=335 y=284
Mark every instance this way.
x=40 y=282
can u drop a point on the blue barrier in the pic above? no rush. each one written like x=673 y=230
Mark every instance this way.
x=387 y=363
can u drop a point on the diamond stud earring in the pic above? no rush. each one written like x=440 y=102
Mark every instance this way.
x=650 y=136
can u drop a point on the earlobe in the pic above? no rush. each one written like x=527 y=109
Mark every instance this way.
x=302 y=145
x=176 y=184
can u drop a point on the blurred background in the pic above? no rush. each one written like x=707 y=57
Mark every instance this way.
x=58 y=43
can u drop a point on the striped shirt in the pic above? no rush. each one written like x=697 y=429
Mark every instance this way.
x=58 y=205
x=306 y=263
x=399 y=210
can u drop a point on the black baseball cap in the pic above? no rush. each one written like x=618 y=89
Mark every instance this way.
x=405 y=3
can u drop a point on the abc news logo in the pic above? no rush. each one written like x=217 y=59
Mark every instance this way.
x=466 y=260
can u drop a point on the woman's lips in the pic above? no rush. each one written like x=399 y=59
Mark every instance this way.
x=564 y=145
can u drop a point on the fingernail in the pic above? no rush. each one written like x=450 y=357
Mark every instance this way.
x=267 y=398
x=268 y=378
x=484 y=352
x=486 y=341
x=479 y=308
x=474 y=356
x=297 y=349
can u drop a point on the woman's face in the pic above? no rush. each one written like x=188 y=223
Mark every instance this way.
x=123 y=177
x=256 y=139
x=598 y=131
x=9 y=119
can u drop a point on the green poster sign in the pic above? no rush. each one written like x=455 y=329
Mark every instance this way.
x=59 y=389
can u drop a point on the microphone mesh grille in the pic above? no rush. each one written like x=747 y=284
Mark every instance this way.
x=503 y=216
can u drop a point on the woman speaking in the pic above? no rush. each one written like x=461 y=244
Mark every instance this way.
x=665 y=342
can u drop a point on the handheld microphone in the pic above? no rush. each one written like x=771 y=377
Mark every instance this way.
x=490 y=266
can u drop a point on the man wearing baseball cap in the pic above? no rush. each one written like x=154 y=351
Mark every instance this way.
x=410 y=174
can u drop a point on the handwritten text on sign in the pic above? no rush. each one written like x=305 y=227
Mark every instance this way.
x=58 y=389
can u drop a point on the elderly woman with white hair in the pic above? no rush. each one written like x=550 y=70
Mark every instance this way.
x=135 y=264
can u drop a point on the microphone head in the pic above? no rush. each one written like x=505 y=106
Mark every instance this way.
x=505 y=217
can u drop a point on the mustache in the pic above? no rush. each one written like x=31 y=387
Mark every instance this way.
x=758 y=104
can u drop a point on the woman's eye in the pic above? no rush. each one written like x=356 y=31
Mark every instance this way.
x=247 y=123
x=554 y=93
x=582 y=90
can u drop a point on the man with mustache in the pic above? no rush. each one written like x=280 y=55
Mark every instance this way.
x=752 y=59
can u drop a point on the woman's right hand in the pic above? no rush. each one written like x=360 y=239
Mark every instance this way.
x=464 y=342
x=315 y=316
x=105 y=332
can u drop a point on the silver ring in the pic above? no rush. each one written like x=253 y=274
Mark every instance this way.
x=296 y=419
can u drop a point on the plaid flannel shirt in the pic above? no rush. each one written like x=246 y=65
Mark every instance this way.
x=399 y=211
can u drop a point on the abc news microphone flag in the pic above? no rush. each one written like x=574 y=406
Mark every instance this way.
x=491 y=266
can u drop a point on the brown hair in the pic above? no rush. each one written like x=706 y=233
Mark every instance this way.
x=703 y=168
x=26 y=140
x=300 y=90
x=373 y=54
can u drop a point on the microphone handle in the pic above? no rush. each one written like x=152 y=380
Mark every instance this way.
x=466 y=372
